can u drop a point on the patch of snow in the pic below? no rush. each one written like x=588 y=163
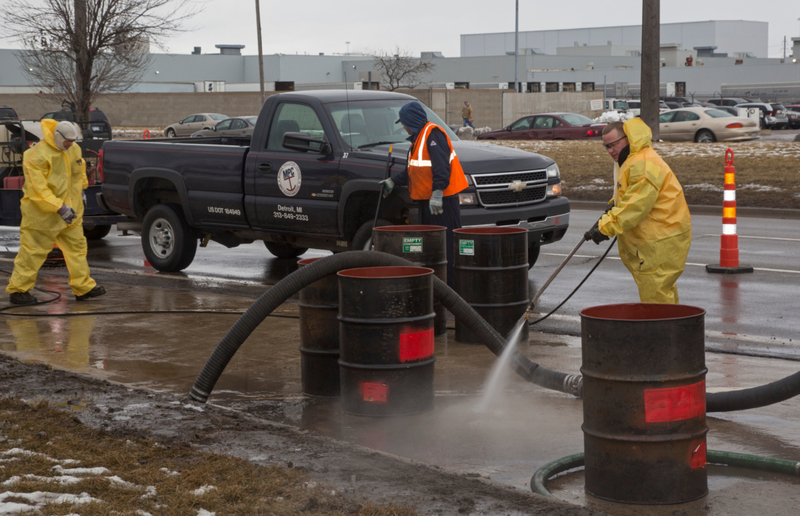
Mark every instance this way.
x=81 y=471
x=599 y=181
x=149 y=492
x=760 y=188
x=61 y=479
x=38 y=499
x=118 y=482
x=140 y=512
x=203 y=512
x=168 y=472
x=703 y=186
x=189 y=406
x=28 y=453
x=203 y=490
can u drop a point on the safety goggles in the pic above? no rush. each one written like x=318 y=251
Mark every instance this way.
x=609 y=146
x=65 y=138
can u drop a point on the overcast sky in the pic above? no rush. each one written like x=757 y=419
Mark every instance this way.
x=314 y=26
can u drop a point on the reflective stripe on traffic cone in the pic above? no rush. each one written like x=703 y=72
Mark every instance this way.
x=729 y=241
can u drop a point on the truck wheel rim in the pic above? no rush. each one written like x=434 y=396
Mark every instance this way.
x=162 y=238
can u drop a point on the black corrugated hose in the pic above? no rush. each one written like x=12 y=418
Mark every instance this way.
x=744 y=399
x=301 y=278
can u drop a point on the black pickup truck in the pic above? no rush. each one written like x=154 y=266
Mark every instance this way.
x=309 y=177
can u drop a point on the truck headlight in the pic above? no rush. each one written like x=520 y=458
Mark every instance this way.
x=554 y=190
x=552 y=171
x=467 y=199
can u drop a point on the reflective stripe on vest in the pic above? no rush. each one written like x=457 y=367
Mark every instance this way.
x=420 y=169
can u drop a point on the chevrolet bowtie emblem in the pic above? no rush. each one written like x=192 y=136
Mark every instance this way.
x=517 y=186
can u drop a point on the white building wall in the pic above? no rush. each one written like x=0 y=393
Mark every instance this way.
x=727 y=36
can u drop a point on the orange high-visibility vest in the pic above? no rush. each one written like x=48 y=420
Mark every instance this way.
x=420 y=169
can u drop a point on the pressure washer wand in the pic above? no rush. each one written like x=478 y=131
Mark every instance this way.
x=553 y=276
x=380 y=196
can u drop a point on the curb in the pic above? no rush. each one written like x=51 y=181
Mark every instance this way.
x=764 y=213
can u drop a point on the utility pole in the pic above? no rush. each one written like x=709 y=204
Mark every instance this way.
x=651 y=62
x=260 y=51
x=516 y=51
x=82 y=77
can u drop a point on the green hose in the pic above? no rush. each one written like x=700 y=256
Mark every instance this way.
x=741 y=460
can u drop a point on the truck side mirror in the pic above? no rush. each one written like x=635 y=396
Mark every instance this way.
x=303 y=142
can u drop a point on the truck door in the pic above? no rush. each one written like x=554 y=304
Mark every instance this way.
x=293 y=191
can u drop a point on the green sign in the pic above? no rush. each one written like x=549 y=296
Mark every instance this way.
x=412 y=244
x=466 y=247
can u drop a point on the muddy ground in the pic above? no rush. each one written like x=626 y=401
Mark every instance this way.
x=360 y=474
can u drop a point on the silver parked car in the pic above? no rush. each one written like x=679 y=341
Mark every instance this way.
x=193 y=123
x=236 y=126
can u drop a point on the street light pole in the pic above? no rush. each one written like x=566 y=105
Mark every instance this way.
x=260 y=51
x=516 y=49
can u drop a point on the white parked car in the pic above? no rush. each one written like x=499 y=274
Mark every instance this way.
x=705 y=125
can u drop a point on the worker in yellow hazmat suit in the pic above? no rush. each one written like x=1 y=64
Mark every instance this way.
x=649 y=214
x=52 y=213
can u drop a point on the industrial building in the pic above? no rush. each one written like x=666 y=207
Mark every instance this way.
x=698 y=59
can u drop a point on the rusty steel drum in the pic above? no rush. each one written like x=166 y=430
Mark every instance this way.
x=425 y=246
x=319 y=336
x=644 y=404
x=386 y=340
x=491 y=274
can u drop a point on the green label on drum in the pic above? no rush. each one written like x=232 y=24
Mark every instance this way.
x=412 y=244
x=466 y=247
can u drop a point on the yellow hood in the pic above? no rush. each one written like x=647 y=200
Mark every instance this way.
x=639 y=134
x=48 y=128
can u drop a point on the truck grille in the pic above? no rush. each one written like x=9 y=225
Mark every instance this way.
x=493 y=189
x=496 y=180
x=504 y=197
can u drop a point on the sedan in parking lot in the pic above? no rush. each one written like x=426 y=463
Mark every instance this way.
x=705 y=125
x=236 y=126
x=192 y=124
x=548 y=126
x=793 y=113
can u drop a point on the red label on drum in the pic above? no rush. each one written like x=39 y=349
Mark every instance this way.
x=699 y=456
x=675 y=404
x=414 y=346
x=374 y=392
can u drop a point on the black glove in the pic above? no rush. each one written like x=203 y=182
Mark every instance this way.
x=595 y=235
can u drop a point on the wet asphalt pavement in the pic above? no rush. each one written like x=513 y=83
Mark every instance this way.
x=523 y=428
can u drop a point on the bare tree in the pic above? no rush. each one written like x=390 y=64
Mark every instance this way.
x=399 y=69
x=82 y=48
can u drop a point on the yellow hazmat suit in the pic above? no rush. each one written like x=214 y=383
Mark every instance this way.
x=650 y=219
x=53 y=178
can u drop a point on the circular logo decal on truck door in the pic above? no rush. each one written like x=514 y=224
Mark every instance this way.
x=289 y=178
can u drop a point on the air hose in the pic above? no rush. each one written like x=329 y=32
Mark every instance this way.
x=301 y=278
x=741 y=460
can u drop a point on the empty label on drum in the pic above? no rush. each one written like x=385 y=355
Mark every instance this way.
x=374 y=392
x=412 y=244
x=416 y=345
x=675 y=404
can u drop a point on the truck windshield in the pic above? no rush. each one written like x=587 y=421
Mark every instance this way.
x=368 y=123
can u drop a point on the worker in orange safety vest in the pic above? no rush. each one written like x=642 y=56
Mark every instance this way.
x=434 y=175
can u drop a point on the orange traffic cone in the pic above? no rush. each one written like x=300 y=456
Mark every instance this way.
x=729 y=241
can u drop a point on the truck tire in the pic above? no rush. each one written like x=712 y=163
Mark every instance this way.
x=284 y=250
x=533 y=254
x=168 y=242
x=93 y=232
x=361 y=238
